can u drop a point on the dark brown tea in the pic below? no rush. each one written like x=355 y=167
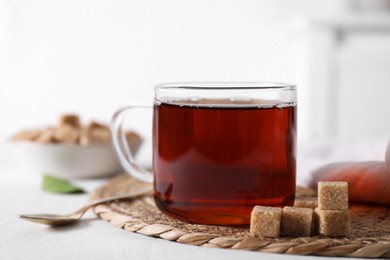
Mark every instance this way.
x=214 y=163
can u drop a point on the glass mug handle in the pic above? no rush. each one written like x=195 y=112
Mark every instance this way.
x=121 y=146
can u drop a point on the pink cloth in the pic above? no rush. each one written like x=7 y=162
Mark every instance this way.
x=368 y=181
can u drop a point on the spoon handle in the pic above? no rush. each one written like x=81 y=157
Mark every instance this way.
x=133 y=194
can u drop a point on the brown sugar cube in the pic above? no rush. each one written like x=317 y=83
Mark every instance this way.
x=72 y=120
x=67 y=134
x=95 y=125
x=134 y=141
x=29 y=135
x=333 y=195
x=296 y=222
x=304 y=192
x=265 y=221
x=46 y=137
x=101 y=136
x=130 y=135
x=85 y=137
x=333 y=223
x=95 y=136
x=306 y=202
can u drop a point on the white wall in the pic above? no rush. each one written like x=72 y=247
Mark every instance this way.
x=364 y=86
x=92 y=56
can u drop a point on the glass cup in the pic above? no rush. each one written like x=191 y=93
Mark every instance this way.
x=219 y=149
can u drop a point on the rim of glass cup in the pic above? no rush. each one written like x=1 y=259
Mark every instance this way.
x=228 y=85
x=224 y=94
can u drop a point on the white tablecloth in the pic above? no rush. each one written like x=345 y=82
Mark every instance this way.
x=93 y=238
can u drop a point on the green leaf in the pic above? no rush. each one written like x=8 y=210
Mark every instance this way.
x=57 y=185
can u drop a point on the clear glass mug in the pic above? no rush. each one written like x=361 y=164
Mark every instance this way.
x=219 y=149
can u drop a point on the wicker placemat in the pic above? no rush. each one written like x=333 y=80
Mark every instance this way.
x=370 y=236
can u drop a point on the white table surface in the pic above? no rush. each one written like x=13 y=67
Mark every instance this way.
x=94 y=238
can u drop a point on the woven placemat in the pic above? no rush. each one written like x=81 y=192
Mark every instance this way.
x=370 y=235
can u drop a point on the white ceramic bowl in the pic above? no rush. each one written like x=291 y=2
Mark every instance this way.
x=68 y=161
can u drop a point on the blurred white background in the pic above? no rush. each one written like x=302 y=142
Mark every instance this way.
x=93 y=56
